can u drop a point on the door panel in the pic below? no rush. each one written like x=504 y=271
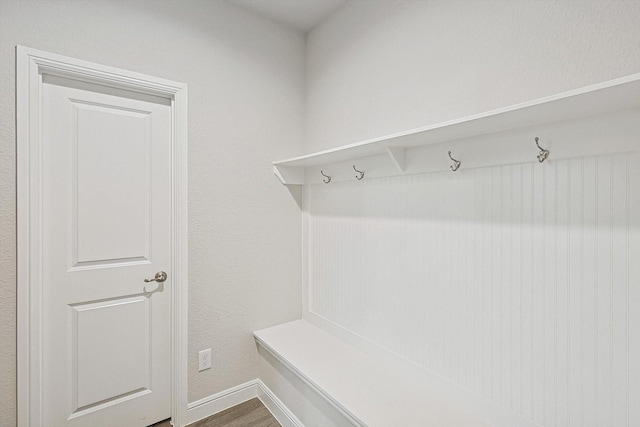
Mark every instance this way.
x=101 y=333
x=112 y=183
x=107 y=227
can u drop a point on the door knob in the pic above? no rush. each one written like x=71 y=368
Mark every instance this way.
x=161 y=276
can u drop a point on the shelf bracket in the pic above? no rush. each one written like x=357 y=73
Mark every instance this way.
x=289 y=175
x=397 y=155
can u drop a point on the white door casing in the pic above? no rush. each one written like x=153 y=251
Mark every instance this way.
x=101 y=206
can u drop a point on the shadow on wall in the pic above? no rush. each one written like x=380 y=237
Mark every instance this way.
x=527 y=194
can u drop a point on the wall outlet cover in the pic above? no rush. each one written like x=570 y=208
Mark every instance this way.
x=204 y=359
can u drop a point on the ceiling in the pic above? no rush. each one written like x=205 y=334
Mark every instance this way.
x=300 y=14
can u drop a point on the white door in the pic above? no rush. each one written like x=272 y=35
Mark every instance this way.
x=106 y=180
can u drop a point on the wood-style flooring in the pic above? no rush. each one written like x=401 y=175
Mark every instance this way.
x=251 y=413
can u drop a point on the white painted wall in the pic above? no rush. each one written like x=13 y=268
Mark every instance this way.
x=515 y=282
x=379 y=67
x=245 y=77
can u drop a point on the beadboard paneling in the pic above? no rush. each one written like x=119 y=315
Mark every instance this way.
x=520 y=282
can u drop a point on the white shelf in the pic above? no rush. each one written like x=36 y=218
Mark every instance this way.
x=597 y=100
x=361 y=389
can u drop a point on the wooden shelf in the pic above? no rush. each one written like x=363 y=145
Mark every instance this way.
x=597 y=100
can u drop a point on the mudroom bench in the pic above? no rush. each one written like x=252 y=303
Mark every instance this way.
x=362 y=389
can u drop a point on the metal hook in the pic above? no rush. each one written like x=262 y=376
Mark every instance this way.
x=326 y=181
x=542 y=156
x=456 y=163
x=360 y=172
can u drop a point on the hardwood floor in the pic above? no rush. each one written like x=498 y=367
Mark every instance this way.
x=251 y=413
x=165 y=423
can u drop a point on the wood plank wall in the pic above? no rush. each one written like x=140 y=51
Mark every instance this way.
x=520 y=282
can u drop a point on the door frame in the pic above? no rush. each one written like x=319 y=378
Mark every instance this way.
x=31 y=66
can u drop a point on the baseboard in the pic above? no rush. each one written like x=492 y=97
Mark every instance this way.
x=229 y=398
x=226 y=399
x=280 y=412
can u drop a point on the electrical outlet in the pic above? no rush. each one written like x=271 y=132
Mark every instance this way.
x=204 y=360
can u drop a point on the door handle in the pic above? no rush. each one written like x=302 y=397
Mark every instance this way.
x=161 y=276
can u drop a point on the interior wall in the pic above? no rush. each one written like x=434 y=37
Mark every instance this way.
x=245 y=78
x=515 y=282
x=377 y=67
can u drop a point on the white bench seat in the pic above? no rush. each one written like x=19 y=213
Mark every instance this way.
x=362 y=389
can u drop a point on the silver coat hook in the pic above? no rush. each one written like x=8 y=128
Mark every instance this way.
x=358 y=177
x=456 y=163
x=326 y=181
x=542 y=156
